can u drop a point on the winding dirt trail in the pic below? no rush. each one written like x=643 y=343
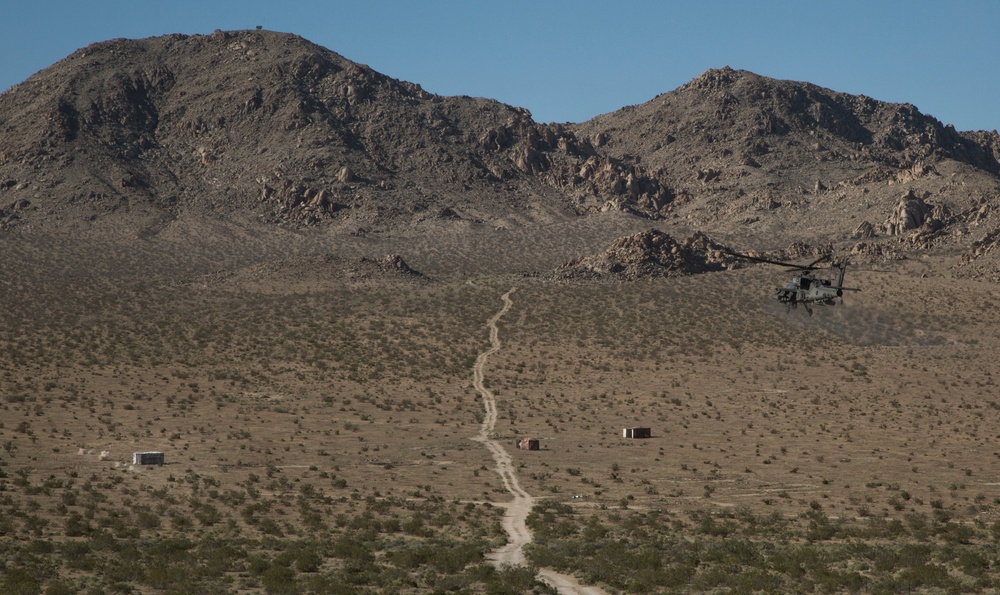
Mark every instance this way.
x=516 y=511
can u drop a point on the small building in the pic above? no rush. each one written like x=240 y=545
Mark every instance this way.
x=147 y=458
x=637 y=433
x=528 y=444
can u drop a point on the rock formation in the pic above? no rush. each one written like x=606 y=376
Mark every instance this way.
x=652 y=253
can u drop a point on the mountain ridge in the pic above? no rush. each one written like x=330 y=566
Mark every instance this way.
x=270 y=128
x=321 y=134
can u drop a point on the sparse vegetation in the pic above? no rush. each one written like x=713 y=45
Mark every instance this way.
x=314 y=398
x=739 y=550
x=286 y=462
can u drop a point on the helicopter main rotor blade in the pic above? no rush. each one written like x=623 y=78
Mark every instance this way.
x=790 y=265
x=813 y=264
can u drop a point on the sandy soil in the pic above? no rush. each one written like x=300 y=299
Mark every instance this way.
x=517 y=510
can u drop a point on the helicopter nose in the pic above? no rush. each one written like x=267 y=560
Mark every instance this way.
x=840 y=293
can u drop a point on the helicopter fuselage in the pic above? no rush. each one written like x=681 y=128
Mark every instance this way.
x=807 y=290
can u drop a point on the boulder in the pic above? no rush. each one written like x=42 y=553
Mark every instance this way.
x=865 y=231
x=909 y=213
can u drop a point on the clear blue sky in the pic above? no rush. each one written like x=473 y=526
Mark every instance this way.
x=568 y=61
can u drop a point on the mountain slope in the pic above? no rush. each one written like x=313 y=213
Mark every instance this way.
x=761 y=157
x=271 y=123
x=256 y=126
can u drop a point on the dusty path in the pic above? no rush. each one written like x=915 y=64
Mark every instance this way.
x=517 y=510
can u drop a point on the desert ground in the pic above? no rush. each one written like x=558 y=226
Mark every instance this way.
x=325 y=432
x=336 y=302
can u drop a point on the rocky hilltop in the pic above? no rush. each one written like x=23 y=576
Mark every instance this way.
x=651 y=253
x=272 y=124
x=267 y=128
x=740 y=150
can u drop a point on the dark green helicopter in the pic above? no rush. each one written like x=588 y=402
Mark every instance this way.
x=806 y=288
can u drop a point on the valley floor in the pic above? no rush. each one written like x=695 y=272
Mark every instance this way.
x=318 y=436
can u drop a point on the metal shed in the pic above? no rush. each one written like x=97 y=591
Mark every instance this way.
x=147 y=458
x=528 y=444
x=637 y=433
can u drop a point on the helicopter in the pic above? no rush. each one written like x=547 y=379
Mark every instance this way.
x=806 y=288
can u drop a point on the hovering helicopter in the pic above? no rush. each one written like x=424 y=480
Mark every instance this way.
x=805 y=288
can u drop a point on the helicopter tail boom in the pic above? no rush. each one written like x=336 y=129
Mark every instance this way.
x=842 y=265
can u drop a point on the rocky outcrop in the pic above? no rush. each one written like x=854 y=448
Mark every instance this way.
x=865 y=231
x=391 y=264
x=595 y=182
x=913 y=213
x=652 y=253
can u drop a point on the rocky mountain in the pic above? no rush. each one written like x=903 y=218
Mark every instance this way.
x=268 y=128
x=272 y=124
x=739 y=149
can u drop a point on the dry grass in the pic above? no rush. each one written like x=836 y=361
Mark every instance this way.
x=749 y=407
x=298 y=425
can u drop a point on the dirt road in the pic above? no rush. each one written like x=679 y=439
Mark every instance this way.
x=517 y=510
